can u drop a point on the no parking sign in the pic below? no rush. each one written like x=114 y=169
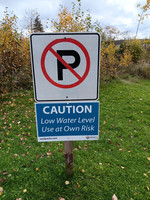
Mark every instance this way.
x=65 y=66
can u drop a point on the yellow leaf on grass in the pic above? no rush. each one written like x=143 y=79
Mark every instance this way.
x=25 y=190
x=148 y=158
x=145 y=175
x=67 y=182
x=1 y=191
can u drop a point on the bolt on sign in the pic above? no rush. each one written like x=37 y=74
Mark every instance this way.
x=65 y=66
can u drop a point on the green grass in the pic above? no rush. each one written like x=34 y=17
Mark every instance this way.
x=116 y=164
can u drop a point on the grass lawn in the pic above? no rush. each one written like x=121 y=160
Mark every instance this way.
x=119 y=163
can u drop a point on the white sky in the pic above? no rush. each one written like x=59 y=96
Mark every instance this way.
x=122 y=14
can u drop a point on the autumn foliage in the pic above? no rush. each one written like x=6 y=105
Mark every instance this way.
x=15 y=65
x=74 y=21
x=15 y=69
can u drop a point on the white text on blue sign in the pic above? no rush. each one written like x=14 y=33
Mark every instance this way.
x=67 y=121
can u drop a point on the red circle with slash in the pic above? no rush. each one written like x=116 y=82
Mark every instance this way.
x=49 y=48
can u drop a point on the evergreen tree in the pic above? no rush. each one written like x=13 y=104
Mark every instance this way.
x=37 y=26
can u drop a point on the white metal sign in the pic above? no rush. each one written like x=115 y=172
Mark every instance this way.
x=65 y=66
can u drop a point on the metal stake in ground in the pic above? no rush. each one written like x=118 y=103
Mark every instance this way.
x=69 y=164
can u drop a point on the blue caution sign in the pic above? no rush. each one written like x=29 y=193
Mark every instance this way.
x=67 y=121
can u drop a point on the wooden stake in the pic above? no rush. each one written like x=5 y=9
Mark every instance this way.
x=69 y=164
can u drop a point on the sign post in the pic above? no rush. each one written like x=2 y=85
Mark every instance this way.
x=67 y=122
x=65 y=69
x=69 y=163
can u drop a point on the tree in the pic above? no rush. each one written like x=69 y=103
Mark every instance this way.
x=9 y=48
x=144 y=8
x=14 y=55
x=74 y=21
x=110 y=33
x=37 y=26
x=29 y=18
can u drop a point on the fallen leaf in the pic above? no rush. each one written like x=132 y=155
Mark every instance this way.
x=147 y=188
x=146 y=175
x=114 y=197
x=1 y=191
x=4 y=172
x=21 y=139
x=148 y=158
x=83 y=170
x=49 y=153
x=28 y=147
x=60 y=198
x=122 y=167
x=3 y=180
x=67 y=182
x=2 y=141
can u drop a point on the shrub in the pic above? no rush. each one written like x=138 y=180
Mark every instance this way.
x=14 y=56
x=134 y=47
x=113 y=60
x=141 y=69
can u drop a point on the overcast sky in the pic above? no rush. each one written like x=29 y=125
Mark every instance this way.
x=122 y=14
